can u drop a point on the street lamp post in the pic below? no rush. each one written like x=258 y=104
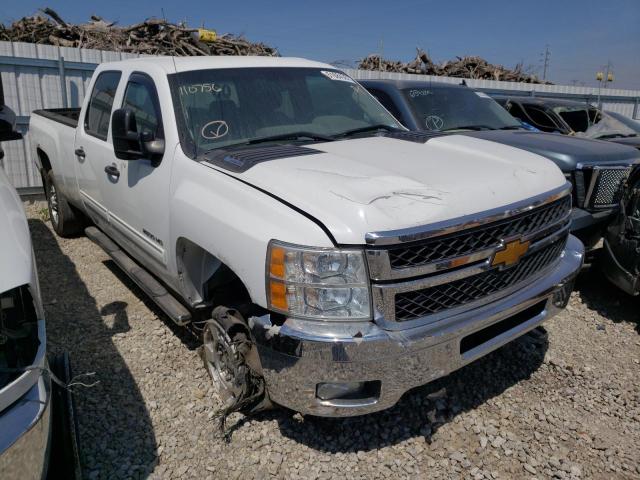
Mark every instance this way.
x=604 y=77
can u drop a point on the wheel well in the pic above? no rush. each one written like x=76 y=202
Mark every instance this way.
x=206 y=279
x=44 y=160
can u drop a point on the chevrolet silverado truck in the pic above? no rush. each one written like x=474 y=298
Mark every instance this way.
x=596 y=169
x=331 y=259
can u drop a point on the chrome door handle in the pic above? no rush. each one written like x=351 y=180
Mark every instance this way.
x=80 y=153
x=112 y=171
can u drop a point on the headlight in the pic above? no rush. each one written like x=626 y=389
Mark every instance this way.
x=318 y=283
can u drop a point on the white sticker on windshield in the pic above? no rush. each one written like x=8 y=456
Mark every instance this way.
x=342 y=77
x=482 y=95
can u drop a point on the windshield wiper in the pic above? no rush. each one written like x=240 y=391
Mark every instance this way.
x=291 y=136
x=370 y=128
x=469 y=127
x=510 y=127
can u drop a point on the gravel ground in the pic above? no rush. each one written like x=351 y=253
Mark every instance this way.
x=560 y=404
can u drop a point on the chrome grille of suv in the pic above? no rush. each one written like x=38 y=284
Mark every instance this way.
x=418 y=303
x=605 y=186
x=479 y=238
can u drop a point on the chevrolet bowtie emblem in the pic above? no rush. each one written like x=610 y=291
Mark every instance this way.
x=510 y=253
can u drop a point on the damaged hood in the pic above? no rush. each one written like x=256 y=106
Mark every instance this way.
x=378 y=184
x=15 y=243
x=567 y=152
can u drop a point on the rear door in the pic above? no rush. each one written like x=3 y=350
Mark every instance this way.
x=139 y=212
x=94 y=159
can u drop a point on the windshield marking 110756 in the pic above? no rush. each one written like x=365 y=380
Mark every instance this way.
x=224 y=108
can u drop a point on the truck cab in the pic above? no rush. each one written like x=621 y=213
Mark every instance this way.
x=332 y=258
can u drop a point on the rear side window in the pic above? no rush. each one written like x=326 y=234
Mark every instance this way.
x=96 y=120
x=141 y=98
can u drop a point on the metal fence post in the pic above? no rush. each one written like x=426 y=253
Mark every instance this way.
x=63 y=82
x=635 y=115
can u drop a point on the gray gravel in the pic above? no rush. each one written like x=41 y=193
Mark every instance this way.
x=561 y=404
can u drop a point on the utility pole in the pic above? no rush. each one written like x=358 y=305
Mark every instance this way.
x=381 y=53
x=546 y=61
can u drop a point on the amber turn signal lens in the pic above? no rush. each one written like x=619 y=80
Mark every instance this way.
x=278 y=295
x=276 y=262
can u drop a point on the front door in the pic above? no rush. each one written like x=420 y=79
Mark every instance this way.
x=139 y=215
x=93 y=151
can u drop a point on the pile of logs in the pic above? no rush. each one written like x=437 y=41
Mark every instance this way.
x=153 y=37
x=462 y=67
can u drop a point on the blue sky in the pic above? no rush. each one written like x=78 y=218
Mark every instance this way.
x=582 y=35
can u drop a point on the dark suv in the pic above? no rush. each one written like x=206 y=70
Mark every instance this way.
x=597 y=169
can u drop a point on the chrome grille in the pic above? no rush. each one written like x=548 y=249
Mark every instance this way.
x=475 y=239
x=605 y=188
x=419 y=303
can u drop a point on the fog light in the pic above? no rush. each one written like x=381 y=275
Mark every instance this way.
x=332 y=391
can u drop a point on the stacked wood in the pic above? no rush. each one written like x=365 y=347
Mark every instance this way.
x=153 y=37
x=461 y=67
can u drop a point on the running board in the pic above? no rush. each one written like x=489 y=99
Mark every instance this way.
x=152 y=287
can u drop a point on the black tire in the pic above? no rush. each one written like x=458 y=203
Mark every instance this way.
x=64 y=460
x=64 y=219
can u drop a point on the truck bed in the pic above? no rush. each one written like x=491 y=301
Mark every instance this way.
x=66 y=116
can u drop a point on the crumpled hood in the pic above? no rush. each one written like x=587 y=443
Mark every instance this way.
x=564 y=150
x=15 y=242
x=379 y=184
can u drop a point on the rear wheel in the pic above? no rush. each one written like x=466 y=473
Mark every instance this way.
x=64 y=220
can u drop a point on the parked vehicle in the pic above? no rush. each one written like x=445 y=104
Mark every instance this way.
x=596 y=169
x=36 y=416
x=335 y=259
x=570 y=117
x=25 y=389
x=625 y=130
x=621 y=250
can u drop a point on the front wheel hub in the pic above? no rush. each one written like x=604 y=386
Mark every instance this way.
x=223 y=362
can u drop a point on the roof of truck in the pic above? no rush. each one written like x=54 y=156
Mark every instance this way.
x=183 y=64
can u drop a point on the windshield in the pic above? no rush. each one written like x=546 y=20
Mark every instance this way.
x=223 y=107
x=578 y=118
x=442 y=108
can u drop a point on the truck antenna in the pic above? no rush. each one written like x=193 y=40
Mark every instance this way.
x=179 y=92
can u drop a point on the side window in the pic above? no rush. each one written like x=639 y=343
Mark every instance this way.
x=541 y=119
x=385 y=100
x=96 y=120
x=141 y=98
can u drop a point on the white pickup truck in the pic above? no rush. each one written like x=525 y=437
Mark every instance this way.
x=331 y=259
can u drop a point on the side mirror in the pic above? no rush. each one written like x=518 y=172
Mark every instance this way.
x=128 y=143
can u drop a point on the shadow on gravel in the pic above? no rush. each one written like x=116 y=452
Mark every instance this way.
x=116 y=434
x=421 y=411
x=600 y=295
x=187 y=335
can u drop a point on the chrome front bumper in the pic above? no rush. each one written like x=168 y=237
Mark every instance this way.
x=298 y=355
x=25 y=423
